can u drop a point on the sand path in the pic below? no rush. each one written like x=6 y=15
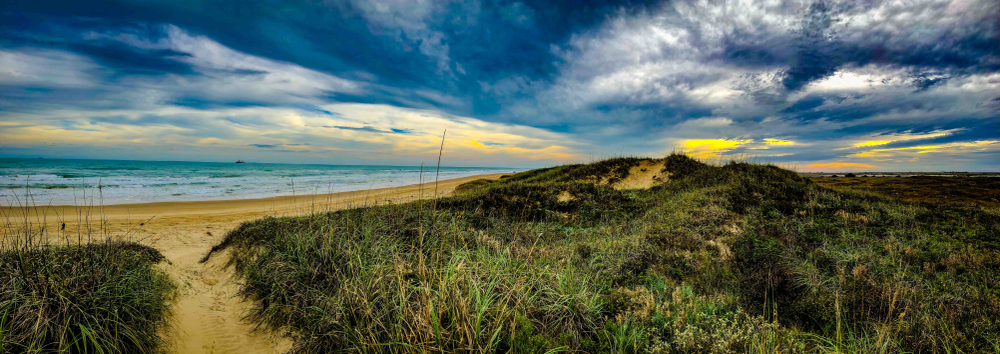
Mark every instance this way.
x=645 y=175
x=207 y=315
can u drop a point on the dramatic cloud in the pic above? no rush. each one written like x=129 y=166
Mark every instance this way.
x=810 y=84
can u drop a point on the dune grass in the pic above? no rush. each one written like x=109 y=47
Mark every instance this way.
x=94 y=294
x=732 y=258
x=965 y=188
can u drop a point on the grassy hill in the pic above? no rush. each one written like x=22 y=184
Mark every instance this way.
x=707 y=259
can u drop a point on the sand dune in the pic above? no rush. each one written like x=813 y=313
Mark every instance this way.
x=207 y=316
x=646 y=174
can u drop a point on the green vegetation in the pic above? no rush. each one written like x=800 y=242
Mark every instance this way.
x=734 y=258
x=964 y=188
x=95 y=297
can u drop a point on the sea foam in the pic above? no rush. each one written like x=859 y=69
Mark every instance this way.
x=107 y=182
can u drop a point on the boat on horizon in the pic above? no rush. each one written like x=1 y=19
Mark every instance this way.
x=240 y=161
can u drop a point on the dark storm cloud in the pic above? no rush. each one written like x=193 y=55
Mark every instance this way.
x=264 y=146
x=273 y=146
x=601 y=72
x=455 y=47
x=369 y=129
x=34 y=99
x=805 y=104
x=182 y=121
x=198 y=103
x=923 y=82
x=484 y=41
x=823 y=44
x=366 y=128
x=127 y=60
x=30 y=30
x=205 y=104
x=971 y=131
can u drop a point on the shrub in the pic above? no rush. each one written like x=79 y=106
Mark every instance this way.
x=104 y=297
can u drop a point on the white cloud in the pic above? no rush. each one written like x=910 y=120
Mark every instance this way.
x=410 y=17
x=233 y=75
x=675 y=54
x=46 y=68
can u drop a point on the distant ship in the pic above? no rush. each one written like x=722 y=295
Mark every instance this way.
x=240 y=161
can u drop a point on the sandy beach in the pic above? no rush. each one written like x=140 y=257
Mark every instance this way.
x=207 y=316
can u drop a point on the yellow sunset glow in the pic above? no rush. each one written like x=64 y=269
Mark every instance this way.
x=950 y=147
x=710 y=148
x=778 y=142
x=833 y=167
x=872 y=143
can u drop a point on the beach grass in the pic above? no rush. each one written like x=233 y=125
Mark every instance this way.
x=91 y=294
x=734 y=257
x=964 y=188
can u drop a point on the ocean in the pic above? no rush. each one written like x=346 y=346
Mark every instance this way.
x=75 y=182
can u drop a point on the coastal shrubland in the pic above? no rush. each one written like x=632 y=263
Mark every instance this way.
x=736 y=257
x=91 y=295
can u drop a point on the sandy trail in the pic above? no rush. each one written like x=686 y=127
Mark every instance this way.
x=645 y=175
x=207 y=315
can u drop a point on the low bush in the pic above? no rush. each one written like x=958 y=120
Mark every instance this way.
x=106 y=297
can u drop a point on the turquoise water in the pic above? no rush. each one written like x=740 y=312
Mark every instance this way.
x=75 y=182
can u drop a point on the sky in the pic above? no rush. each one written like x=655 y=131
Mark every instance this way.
x=815 y=85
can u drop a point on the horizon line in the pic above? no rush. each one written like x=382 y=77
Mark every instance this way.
x=243 y=161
